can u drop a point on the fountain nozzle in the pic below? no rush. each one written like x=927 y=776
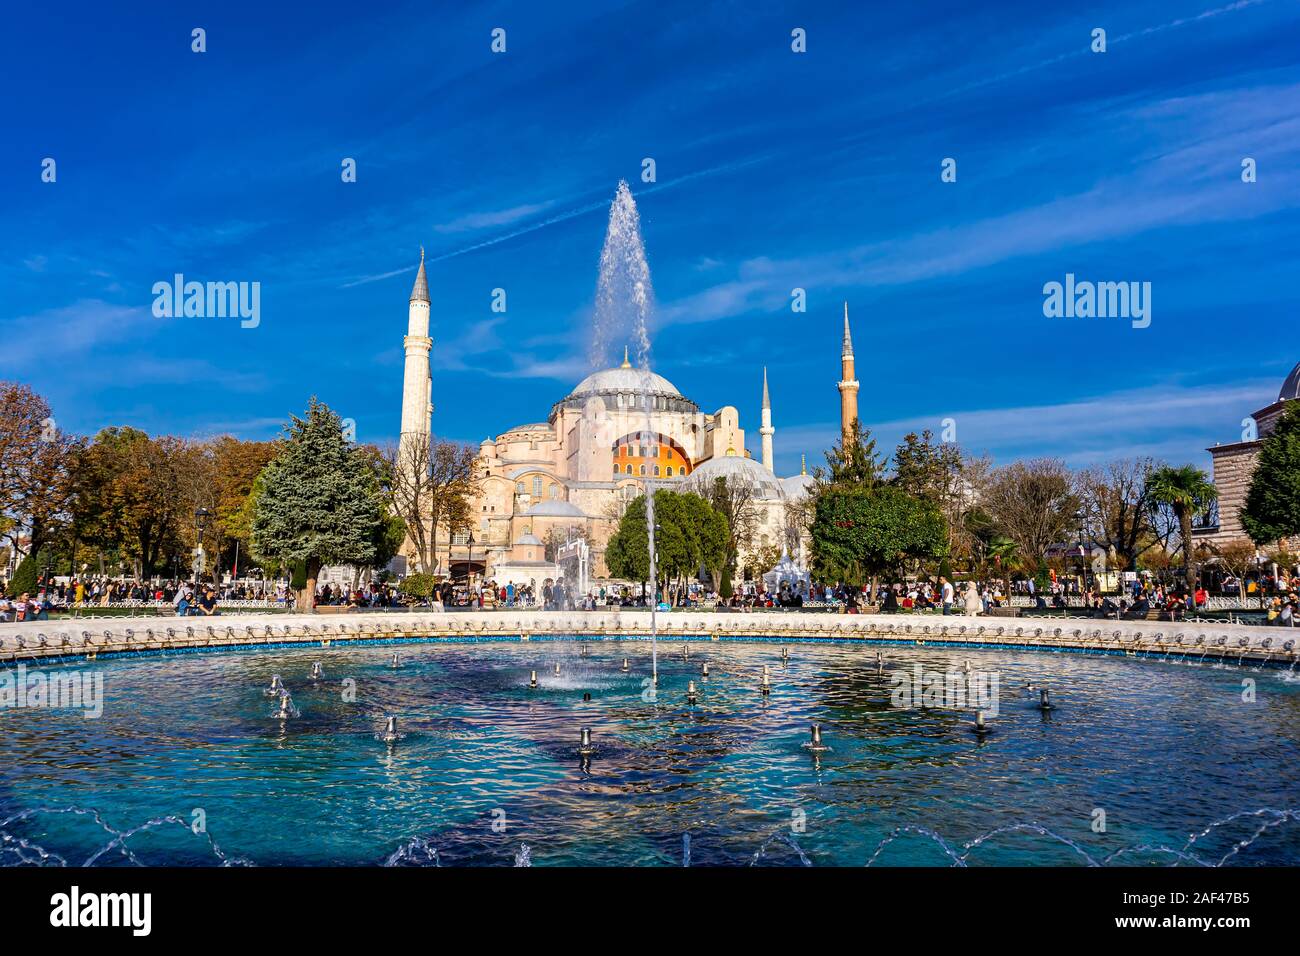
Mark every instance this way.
x=532 y=679
x=1044 y=702
x=316 y=672
x=980 y=729
x=691 y=695
x=815 y=743
x=584 y=747
x=396 y=662
x=557 y=668
x=766 y=686
x=704 y=670
x=625 y=665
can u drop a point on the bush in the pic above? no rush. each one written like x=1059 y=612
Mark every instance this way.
x=417 y=585
x=724 y=589
x=24 y=578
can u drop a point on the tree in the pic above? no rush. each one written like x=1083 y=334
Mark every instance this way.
x=736 y=499
x=852 y=463
x=35 y=468
x=1116 y=502
x=1186 y=491
x=935 y=472
x=1272 y=510
x=859 y=534
x=319 y=501
x=690 y=534
x=130 y=496
x=419 y=586
x=1238 y=558
x=430 y=483
x=1033 y=504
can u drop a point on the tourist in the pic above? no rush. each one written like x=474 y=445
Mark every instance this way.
x=974 y=605
x=208 y=603
x=947 y=598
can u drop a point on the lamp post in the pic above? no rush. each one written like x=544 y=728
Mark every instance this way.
x=201 y=517
x=469 y=561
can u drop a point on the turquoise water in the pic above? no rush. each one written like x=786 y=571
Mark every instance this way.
x=488 y=766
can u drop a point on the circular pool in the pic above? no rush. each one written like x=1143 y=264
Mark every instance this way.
x=1138 y=762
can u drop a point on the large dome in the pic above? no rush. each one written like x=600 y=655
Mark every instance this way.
x=1291 y=387
x=625 y=380
x=767 y=487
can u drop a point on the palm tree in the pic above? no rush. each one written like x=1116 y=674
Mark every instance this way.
x=1187 y=491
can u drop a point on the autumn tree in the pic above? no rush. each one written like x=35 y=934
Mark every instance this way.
x=1238 y=558
x=36 y=459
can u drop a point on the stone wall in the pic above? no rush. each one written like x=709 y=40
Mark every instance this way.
x=72 y=641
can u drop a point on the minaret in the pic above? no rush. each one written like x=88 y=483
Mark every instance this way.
x=417 y=383
x=767 y=431
x=848 y=386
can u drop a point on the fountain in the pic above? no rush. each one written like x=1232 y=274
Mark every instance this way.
x=704 y=670
x=316 y=671
x=625 y=665
x=815 y=740
x=585 y=747
x=532 y=679
x=390 y=733
x=624 y=301
x=286 y=708
x=277 y=685
x=691 y=695
x=766 y=685
x=396 y=662
x=1044 y=702
x=980 y=728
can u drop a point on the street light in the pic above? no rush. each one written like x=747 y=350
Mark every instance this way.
x=201 y=517
x=1081 y=519
x=469 y=561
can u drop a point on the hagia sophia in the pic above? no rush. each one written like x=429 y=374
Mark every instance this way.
x=615 y=431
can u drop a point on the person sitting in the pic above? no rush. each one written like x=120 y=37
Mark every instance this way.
x=890 y=604
x=1138 y=612
x=208 y=603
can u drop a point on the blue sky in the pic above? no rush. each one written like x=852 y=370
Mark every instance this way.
x=775 y=170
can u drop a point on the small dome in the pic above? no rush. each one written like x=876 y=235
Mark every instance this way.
x=529 y=539
x=1291 y=387
x=798 y=487
x=625 y=380
x=735 y=468
x=555 y=508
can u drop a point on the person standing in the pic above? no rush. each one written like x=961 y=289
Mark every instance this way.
x=946 y=595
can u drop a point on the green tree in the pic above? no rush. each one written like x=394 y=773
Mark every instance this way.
x=319 y=500
x=852 y=463
x=1272 y=510
x=857 y=534
x=419 y=585
x=1186 y=491
x=690 y=534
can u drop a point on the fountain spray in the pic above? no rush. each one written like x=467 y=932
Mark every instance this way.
x=624 y=299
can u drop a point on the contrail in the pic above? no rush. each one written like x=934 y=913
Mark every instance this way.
x=568 y=214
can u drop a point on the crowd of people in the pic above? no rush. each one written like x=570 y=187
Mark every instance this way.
x=1280 y=597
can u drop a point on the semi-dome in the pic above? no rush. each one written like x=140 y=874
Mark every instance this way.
x=735 y=468
x=1291 y=387
x=555 y=509
x=798 y=487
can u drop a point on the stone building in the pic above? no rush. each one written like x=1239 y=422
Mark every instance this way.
x=1234 y=464
x=599 y=446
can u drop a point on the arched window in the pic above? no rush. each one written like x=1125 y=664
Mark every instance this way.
x=670 y=471
x=537 y=486
x=629 y=469
x=643 y=469
x=656 y=471
x=555 y=491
